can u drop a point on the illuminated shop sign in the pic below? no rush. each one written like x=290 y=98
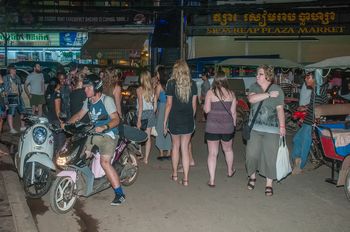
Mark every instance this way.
x=42 y=39
x=95 y=19
x=274 y=23
x=69 y=39
x=31 y=39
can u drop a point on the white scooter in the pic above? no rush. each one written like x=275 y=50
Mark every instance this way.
x=34 y=157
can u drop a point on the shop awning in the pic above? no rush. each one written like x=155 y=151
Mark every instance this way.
x=98 y=42
x=342 y=62
x=104 y=43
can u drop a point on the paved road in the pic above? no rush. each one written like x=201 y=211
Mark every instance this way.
x=155 y=203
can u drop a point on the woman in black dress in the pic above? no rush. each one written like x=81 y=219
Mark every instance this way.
x=180 y=109
x=54 y=110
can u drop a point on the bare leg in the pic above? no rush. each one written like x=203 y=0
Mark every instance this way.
x=185 y=139
x=40 y=110
x=111 y=174
x=175 y=154
x=33 y=110
x=148 y=145
x=10 y=121
x=192 y=163
x=213 y=149
x=228 y=151
x=22 y=122
x=1 y=124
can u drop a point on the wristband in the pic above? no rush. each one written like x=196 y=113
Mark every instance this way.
x=282 y=127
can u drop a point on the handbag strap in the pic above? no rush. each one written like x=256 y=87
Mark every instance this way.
x=222 y=102
x=257 y=110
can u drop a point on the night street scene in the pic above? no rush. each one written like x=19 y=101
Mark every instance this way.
x=174 y=115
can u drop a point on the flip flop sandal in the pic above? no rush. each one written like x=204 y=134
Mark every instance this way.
x=211 y=185
x=233 y=173
x=184 y=182
x=173 y=178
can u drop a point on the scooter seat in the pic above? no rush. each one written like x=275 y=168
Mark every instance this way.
x=132 y=133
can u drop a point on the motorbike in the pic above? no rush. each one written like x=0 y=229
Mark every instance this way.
x=34 y=159
x=84 y=177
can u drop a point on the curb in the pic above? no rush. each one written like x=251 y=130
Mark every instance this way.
x=22 y=217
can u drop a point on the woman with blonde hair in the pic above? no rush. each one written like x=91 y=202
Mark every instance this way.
x=146 y=108
x=180 y=109
x=220 y=107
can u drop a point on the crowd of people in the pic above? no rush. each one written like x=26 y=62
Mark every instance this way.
x=168 y=105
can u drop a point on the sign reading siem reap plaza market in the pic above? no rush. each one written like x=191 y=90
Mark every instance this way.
x=273 y=23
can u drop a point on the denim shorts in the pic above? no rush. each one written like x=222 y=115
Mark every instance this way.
x=2 y=111
x=19 y=108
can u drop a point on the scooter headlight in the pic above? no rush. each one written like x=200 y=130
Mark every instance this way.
x=61 y=161
x=39 y=135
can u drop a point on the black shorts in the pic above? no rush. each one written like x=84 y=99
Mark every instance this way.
x=216 y=137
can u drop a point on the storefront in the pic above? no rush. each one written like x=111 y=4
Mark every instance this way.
x=303 y=35
x=63 y=47
x=131 y=49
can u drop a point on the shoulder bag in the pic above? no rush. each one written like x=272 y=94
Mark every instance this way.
x=248 y=128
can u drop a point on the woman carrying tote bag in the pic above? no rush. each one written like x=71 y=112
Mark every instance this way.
x=261 y=150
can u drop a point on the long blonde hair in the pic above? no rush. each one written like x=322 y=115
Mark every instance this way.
x=181 y=75
x=146 y=85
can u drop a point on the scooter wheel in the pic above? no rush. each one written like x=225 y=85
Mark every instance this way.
x=130 y=170
x=41 y=183
x=347 y=186
x=62 y=196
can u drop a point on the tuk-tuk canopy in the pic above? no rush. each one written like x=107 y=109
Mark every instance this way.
x=342 y=62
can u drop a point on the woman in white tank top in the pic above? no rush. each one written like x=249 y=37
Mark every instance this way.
x=146 y=108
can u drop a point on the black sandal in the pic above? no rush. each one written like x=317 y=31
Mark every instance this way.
x=268 y=191
x=234 y=171
x=251 y=183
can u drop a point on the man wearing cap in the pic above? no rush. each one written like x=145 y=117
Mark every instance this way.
x=37 y=89
x=13 y=90
x=98 y=105
x=303 y=138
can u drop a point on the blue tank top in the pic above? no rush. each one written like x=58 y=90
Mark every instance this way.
x=162 y=97
x=97 y=109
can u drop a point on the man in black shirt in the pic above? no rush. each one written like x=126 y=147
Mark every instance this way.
x=303 y=138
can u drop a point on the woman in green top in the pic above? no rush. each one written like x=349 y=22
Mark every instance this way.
x=268 y=127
